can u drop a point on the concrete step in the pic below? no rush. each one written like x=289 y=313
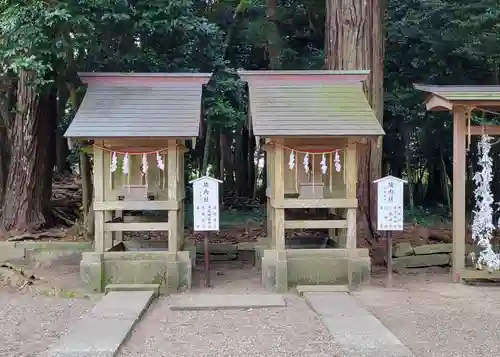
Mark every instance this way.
x=356 y=330
x=133 y=287
x=301 y=289
x=196 y=302
x=102 y=331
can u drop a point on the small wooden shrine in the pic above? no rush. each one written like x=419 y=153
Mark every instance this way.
x=313 y=123
x=138 y=125
x=462 y=101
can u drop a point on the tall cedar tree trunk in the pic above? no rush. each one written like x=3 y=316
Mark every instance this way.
x=26 y=205
x=354 y=40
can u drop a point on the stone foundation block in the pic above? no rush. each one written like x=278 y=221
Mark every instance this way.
x=168 y=270
x=422 y=261
x=433 y=249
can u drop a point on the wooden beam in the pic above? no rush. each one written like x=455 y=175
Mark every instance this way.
x=136 y=205
x=459 y=174
x=438 y=103
x=316 y=224
x=137 y=227
x=483 y=129
x=315 y=203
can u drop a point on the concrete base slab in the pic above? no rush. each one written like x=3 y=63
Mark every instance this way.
x=357 y=331
x=133 y=287
x=301 y=289
x=101 y=332
x=225 y=301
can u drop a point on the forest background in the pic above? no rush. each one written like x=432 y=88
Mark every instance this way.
x=44 y=43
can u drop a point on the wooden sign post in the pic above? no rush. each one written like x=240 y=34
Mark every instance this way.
x=390 y=212
x=206 y=213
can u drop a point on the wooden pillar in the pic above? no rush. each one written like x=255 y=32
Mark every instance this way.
x=172 y=182
x=99 y=242
x=181 y=193
x=350 y=185
x=269 y=193
x=278 y=184
x=459 y=169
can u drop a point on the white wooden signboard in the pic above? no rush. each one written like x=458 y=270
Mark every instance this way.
x=206 y=204
x=390 y=201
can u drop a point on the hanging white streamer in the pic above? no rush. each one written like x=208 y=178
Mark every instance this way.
x=482 y=224
x=125 y=164
x=159 y=162
x=291 y=162
x=306 y=163
x=144 y=166
x=336 y=161
x=324 y=166
x=114 y=162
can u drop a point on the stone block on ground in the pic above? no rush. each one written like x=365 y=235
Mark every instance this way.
x=217 y=248
x=102 y=331
x=195 y=302
x=402 y=250
x=354 y=328
x=422 y=261
x=433 y=249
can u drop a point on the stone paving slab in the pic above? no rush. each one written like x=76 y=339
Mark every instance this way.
x=357 y=331
x=225 y=301
x=101 y=332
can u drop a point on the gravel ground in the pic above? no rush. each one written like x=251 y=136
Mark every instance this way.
x=287 y=332
x=436 y=318
x=29 y=324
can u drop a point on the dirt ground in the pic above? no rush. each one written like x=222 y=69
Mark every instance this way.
x=431 y=315
x=434 y=317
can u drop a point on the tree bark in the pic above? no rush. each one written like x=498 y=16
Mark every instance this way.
x=206 y=150
x=354 y=41
x=26 y=204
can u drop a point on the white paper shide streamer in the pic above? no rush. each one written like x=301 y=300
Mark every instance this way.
x=336 y=161
x=159 y=162
x=306 y=163
x=324 y=166
x=125 y=164
x=144 y=164
x=482 y=224
x=114 y=162
x=291 y=162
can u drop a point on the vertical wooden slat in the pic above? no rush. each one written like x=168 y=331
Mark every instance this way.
x=99 y=196
x=172 y=182
x=459 y=168
x=351 y=178
x=278 y=194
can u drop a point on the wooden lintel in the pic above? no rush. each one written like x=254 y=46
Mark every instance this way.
x=484 y=129
x=315 y=203
x=136 y=205
x=316 y=224
x=137 y=227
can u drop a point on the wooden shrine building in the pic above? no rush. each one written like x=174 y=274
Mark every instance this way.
x=462 y=101
x=314 y=123
x=137 y=125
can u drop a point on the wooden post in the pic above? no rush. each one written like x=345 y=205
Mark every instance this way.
x=172 y=181
x=99 y=241
x=459 y=169
x=351 y=180
x=181 y=198
x=269 y=194
x=278 y=183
